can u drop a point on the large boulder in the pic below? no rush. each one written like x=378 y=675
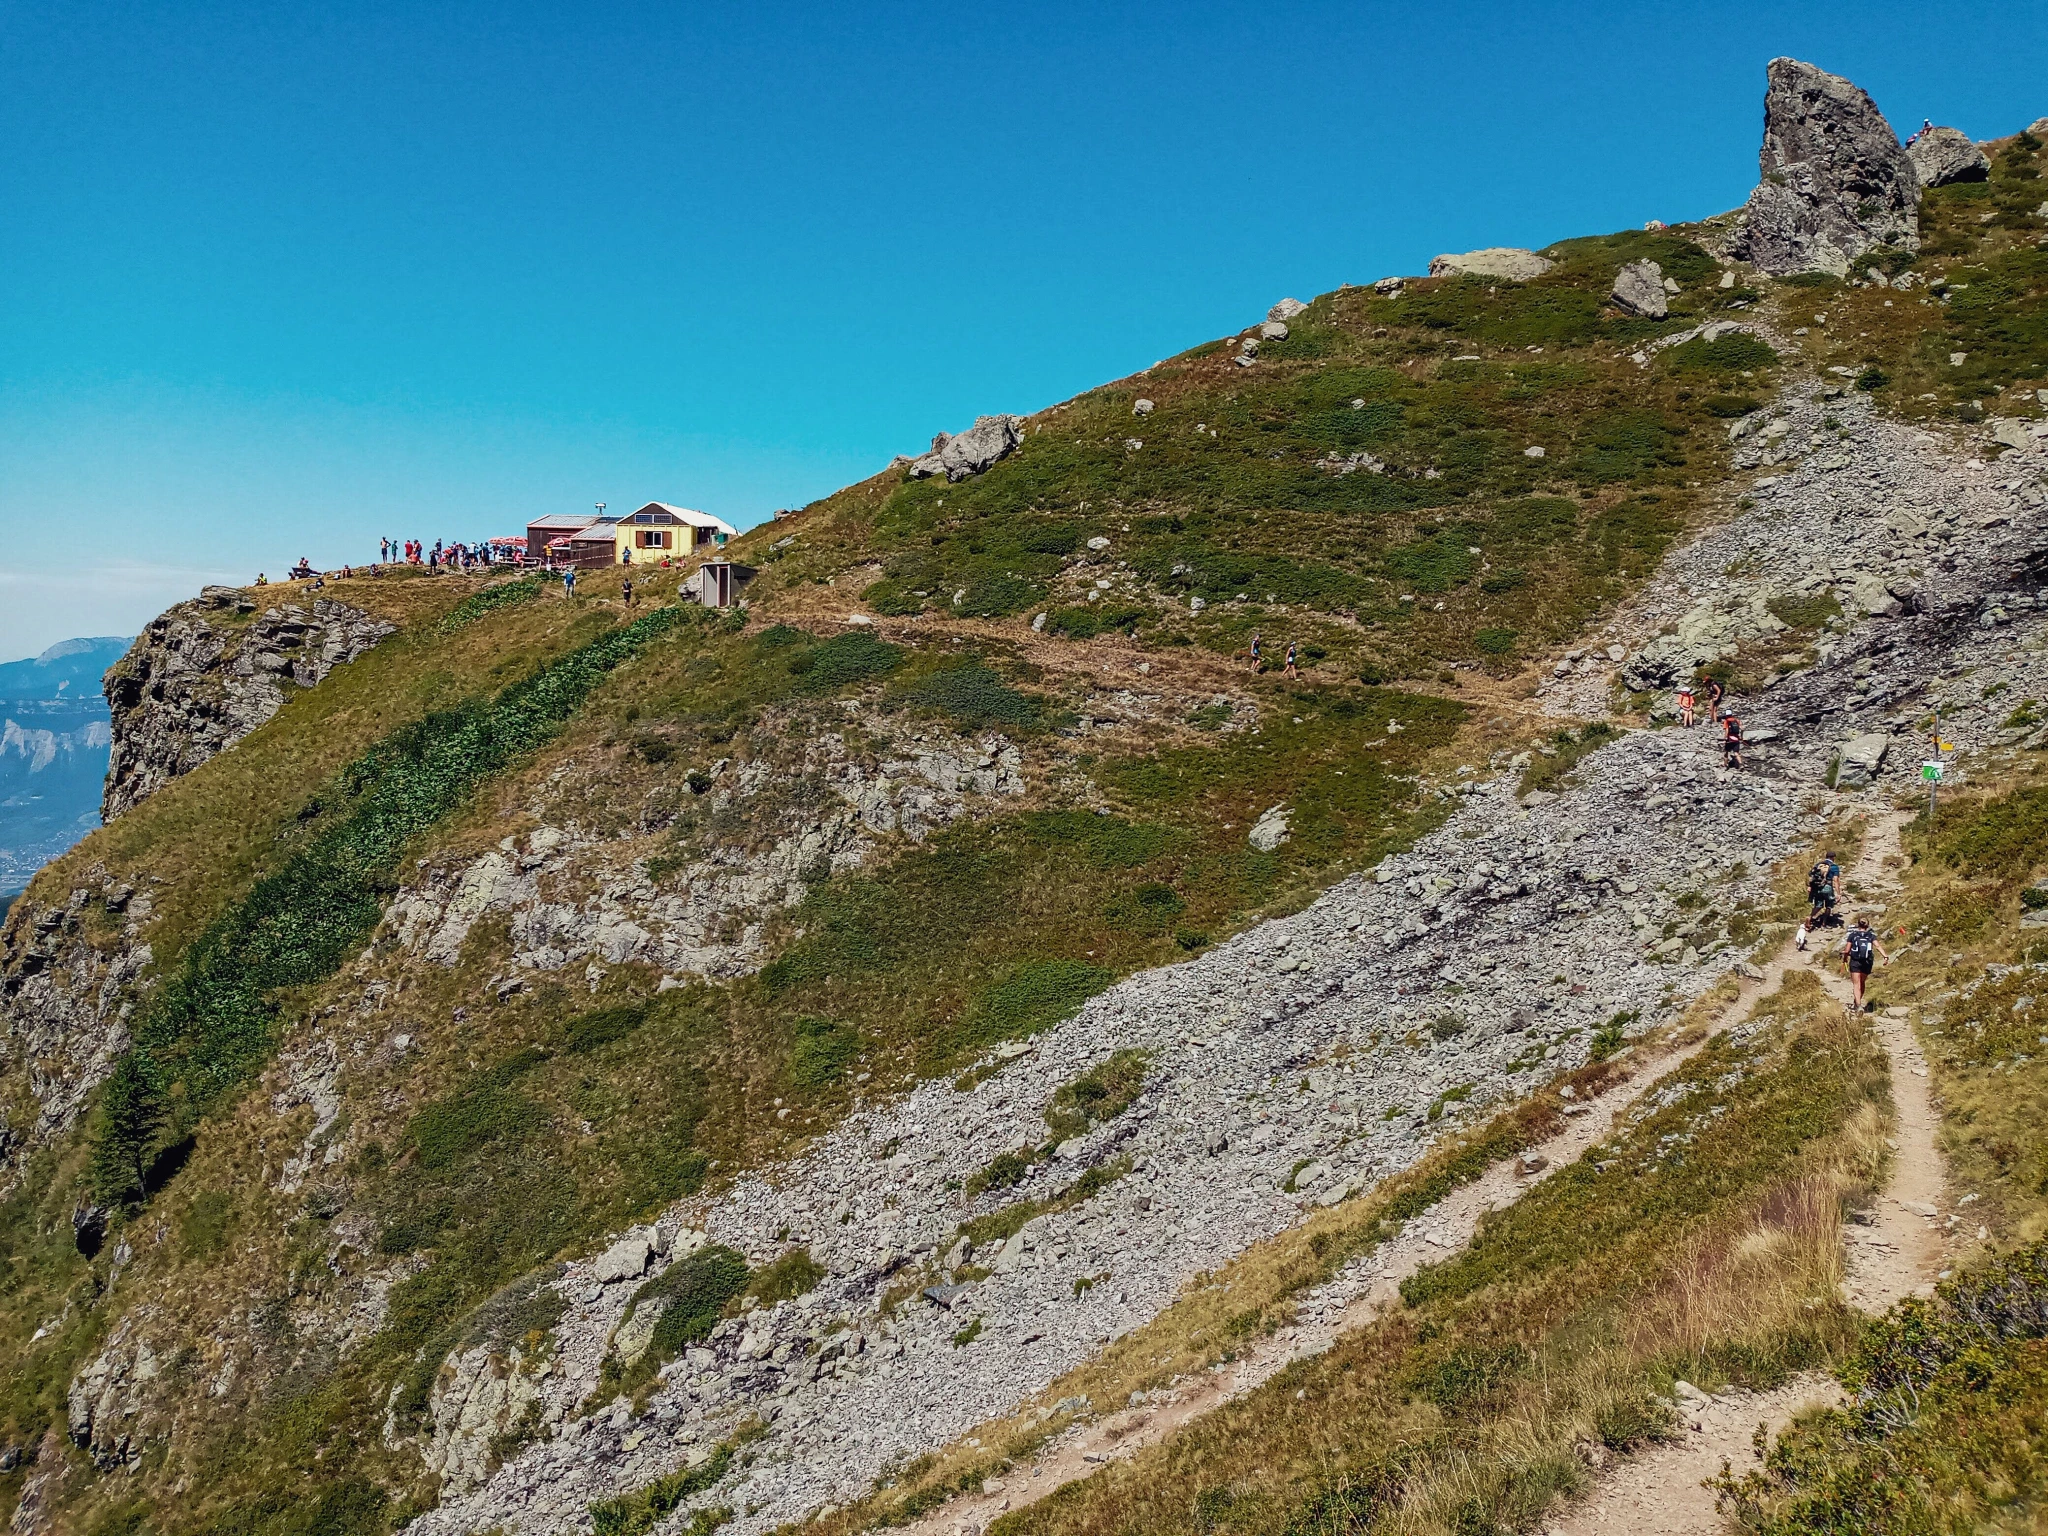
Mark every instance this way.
x=1639 y=289
x=1285 y=310
x=1714 y=630
x=1836 y=182
x=1943 y=155
x=1857 y=764
x=989 y=439
x=1503 y=261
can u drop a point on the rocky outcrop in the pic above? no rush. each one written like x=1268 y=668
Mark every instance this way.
x=1713 y=630
x=570 y=898
x=989 y=439
x=1944 y=155
x=110 y=1402
x=196 y=682
x=1639 y=289
x=482 y=1399
x=1836 y=182
x=66 y=995
x=1508 y=262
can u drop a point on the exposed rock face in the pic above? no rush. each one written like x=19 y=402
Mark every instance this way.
x=1284 y=311
x=1639 y=289
x=568 y=901
x=189 y=688
x=1270 y=830
x=1943 y=155
x=109 y=1401
x=1715 y=629
x=1836 y=182
x=65 y=1002
x=989 y=439
x=1503 y=261
x=480 y=1396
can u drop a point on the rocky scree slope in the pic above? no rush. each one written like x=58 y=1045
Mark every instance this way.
x=1358 y=471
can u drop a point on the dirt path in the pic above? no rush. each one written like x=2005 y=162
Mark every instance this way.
x=1441 y=1230
x=1898 y=1253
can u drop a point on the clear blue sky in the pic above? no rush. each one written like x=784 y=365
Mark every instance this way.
x=278 y=280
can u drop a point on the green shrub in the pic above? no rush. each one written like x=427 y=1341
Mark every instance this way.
x=785 y=1278
x=601 y=1026
x=1733 y=353
x=1943 y=1428
x=1107 y=842
x=977 y=697
x=2001 y=838
x=1632 y=1420
x=1100 y=1094
x=1610 y=1037
x=1629 y=445
x=504 y=594
x=1435 y=564
x=692 y=1294
x=1729 y=407
x=854 y=657
x=822 y=1051
x=1495 y=642
x=1809 y=612
x=1091 y=619
x=634 y=1514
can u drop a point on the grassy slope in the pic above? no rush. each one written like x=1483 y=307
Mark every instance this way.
x=1400 y=574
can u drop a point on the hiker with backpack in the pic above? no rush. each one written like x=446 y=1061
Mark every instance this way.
x=1860 y=953
x=1715 y=694
x=1685 y=706
x=1731 y=742
x=1821 y=892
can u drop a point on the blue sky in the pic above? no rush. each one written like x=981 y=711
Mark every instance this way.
x=280 y=280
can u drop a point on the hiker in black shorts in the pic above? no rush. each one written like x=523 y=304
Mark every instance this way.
x=1715 y=694
x=1731 y=742
x=1861 y=952
x=1820 y=890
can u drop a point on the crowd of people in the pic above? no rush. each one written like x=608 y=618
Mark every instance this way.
x=451 y=556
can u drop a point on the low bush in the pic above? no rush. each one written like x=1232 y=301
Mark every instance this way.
x=785 y=1278
x=1100 y=1094
x=821 y=1053
x=504 y=594
x=977 y=697
x=634 y=1514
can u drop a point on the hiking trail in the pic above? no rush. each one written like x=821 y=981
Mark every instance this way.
x=1903 y=1245
x=1899 y=1253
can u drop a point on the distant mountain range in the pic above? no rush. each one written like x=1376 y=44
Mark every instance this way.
x=53 y=753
